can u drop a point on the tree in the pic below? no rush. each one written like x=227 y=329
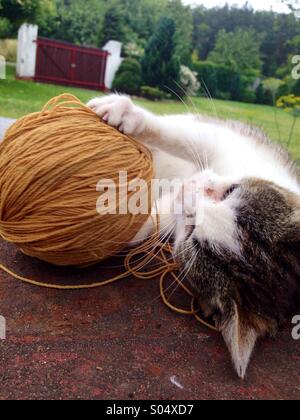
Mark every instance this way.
x=16 y=12
x=272 y=86
x=294 y=5
x=238 y=50
x=160 y=65
x=78 y=21
x=272 y=29
x=141 y=18
x=113 y=25
x=129 y=77
x=183 y=19
x=5 y=27
x=284 y=28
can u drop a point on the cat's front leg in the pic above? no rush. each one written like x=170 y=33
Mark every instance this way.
x=178 y=135
x=120 y=112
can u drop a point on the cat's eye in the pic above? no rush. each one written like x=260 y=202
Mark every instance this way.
x=229 y=191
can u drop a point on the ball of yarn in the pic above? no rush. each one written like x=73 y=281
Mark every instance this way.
x=50 y=164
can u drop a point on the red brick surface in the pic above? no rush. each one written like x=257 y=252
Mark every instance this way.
x=121 y=342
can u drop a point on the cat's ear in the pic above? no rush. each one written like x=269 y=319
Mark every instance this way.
x=240 y=337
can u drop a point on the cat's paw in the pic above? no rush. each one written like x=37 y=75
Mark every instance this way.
x=119 y=112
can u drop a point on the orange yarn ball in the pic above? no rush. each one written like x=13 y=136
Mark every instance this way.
x=50 y=164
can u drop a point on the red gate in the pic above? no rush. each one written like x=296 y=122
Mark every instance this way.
x=71 y=65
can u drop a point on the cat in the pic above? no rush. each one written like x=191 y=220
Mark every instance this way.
x=240 y=248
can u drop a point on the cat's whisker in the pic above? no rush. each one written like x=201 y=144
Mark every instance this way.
x=203 y=162
x=156 y=247
x=198 y=160
x=187 y=249
x=195 y=155
x=183 y=274
x=210 y=98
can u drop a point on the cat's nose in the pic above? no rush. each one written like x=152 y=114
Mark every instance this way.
x=212 y=193
x=193 y=190
x=209 y=192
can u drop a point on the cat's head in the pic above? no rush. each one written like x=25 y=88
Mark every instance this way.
x=242 y=245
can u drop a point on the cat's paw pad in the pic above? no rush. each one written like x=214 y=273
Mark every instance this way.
x=118 y=111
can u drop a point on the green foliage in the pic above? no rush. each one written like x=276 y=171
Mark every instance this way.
x=296 y=88
x=140 y=18
x=284 y=90
x=183 y=19
x=128 y=83
x=260 y=95
x=160 y=65
x=113 y=25
x=8 y=49
x=130 y=64
x=5 y=27
x=153 y=94
x=78 y=22
x=274 y=30
x=238 y=50
x=207 y=74
x=248 y=95
x=289 y=103
x=229 y=83
x=272 y=86
x=132 y=49
x=223 y=82
x=16 y=12
x=129 y=77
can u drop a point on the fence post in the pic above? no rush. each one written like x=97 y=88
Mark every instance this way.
x=27 y=47
x=114 y=61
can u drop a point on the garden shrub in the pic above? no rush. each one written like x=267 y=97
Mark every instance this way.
x=223 y=82
x=154 y=94
x=207 y=76
x=8 y=49
x=5 y=27
x=295 y=90
x=189 y=81
x=129 y=77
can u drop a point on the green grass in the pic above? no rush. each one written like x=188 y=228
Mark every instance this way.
x=22 y=97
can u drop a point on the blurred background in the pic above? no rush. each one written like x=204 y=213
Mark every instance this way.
x=233 y=59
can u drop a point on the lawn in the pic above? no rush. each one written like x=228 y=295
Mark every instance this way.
x=21 y=97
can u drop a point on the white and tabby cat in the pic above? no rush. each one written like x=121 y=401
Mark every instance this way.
x=243 y=252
